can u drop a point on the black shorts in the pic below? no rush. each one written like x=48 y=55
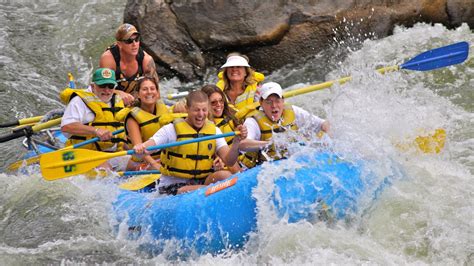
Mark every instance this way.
x=173 y=189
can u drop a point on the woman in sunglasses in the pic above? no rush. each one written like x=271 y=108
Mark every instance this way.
x=128 y=60
x=92 y=113
x=224 y=117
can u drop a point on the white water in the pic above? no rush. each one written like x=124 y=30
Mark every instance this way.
x=424 y=217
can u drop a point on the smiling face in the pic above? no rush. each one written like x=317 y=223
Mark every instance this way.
x=217 y=104
x=197 y=114
x=236 y=73
x=273 y=107
x=148 y=93
x=104 y=92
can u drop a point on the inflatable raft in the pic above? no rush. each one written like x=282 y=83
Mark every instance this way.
x=222 y=216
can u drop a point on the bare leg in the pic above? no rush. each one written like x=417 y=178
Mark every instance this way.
x=189 y=188
x=217 y=176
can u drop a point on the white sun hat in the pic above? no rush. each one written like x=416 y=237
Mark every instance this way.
x=236 y=60
x=270 y=88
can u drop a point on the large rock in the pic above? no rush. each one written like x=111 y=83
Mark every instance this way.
x=186 y=37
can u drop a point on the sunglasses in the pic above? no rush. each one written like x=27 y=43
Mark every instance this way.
x=107 y=86
x=217 y=102
x=129 y=41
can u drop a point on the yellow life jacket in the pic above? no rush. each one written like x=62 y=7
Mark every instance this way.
x=192 y=160
x=105 y=117
x=226 y=125
x=248 y=96
x=148 y=123
x=267 y=128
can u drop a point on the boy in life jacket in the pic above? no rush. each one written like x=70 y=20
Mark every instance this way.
x=92 y=113
x=188 y=167
x=274 y=116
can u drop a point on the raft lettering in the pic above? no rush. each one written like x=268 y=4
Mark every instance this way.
x=221 y=186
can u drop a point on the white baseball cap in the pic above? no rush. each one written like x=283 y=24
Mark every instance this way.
x=270 y=88
x=236 y=60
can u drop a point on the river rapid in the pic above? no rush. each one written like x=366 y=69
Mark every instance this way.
x=424 y=217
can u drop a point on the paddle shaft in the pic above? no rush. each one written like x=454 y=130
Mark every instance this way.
x=29 y=130
x=23 y=121
x=143 y=172
x=432 y=59
x=78 y=145
x=102 y=156
x=14 y=166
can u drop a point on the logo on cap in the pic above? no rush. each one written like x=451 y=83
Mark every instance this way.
x=127 y=27
x=106 y=73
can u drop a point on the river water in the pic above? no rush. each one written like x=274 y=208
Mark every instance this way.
x=424 y=217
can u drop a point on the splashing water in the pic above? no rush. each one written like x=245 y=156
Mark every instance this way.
x=423 y=217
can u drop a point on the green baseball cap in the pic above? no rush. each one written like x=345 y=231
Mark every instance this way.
x=104 y=76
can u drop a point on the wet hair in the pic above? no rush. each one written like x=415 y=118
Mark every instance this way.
x=228 y=111
x=249 y=77
x=196 y=96
x=141 y=80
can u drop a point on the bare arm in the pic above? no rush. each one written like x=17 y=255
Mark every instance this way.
x=250 y=145
x=149 y=66
x=134 y=134
x=107 y=60
x=230 y=155
x=77 y=128
x=325 y=126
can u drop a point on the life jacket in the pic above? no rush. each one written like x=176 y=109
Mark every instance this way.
x=247 y=97
x=267 y=128
x=148 y=123
x=127 y=84
x=105 y=117
x=226 y=125
x=192 y=160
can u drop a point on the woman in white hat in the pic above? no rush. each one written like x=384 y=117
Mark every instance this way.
x=239 y=81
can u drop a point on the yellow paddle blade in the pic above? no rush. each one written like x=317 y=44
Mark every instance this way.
x=139 y=182
x=432 y=143
x=60 y=164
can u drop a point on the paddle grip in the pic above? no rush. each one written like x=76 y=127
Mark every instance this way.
x=14 y=135
x=10 y=124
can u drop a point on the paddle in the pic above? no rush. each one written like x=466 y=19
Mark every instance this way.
x=143 y=178
x=429 y=60
x=20 y=122
x=93 y=173
x=29 y=130
x=431 y=143
x=432 y=59
x=60 y=164
x=14 y=166
x=142 y=172
x=139 y=182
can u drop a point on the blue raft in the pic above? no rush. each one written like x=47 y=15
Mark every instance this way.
x=222 y=216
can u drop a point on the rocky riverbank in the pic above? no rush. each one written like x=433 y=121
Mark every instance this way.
x=186 y=37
